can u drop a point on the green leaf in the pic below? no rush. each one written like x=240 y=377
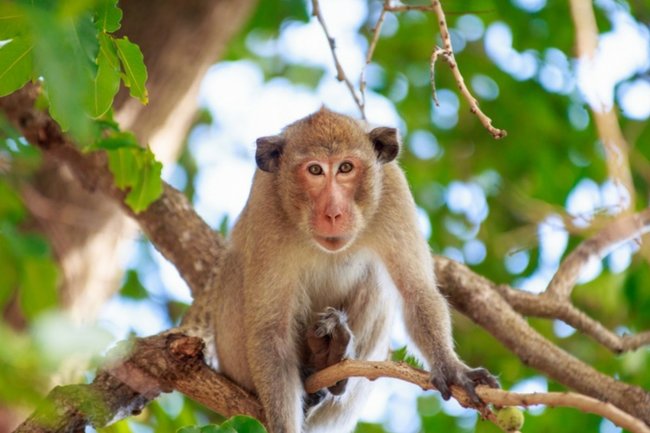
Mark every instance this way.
x=15 y=65
x=8 y=272
x=189 y=429
x=117 y=140
x=132 y=287
x=107 y=81
x=109 y=16
x=137 y=169
x=236 y=424
x=38 y=285
x=61 y=58
x=134 y=72
x=12 y=21
x=244 y=424
x=124 y=166
x=85 y=39
x=11 y=205
x=403 y=355
x=149 y=185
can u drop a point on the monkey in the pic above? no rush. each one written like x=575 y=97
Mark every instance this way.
x=325 y=250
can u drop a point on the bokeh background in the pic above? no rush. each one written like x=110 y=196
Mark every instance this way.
x=510 y=209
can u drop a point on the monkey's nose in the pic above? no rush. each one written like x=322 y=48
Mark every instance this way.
x=333 y=215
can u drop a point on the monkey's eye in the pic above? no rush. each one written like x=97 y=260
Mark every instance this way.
x=315 y=169
x=346 y=167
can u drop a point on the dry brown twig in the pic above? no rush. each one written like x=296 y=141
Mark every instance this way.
x=446 y=52
x=399 y=370
x=340 y=72
x=448 y=55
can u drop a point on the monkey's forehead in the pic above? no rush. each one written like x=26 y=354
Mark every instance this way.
x=326 y=152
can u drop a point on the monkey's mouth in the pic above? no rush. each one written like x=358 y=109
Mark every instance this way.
x=332 y=243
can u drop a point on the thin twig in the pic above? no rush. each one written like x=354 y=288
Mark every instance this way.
x=460 y=81
x=621 y=230
x=340 y=73
x=406 y=8
x=399 y=370
x=533 y=305
x=376 y=31
x=434 y=58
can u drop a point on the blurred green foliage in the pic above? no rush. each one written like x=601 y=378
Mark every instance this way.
x=552 y=146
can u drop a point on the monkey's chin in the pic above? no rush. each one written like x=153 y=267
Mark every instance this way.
x=333 y=244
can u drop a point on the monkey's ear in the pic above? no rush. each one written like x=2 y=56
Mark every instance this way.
x=386 y=143
x=269 y=150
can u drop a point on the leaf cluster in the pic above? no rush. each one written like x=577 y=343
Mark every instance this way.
x=70 y=49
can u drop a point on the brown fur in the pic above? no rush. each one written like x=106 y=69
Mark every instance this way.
x=276 y=278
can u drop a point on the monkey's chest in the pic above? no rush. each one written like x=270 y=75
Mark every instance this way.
x=334 y=282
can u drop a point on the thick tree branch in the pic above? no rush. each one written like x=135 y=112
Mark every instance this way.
x=478 y=298
x=192 y=245
x=137 y=372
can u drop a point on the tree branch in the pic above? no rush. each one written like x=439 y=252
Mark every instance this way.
x=460 y=81
x=136 y=373
x=555 y=302
x=621 y=230
x=609 y=131
x=478 y=298
x=402 y=371
x=340 y=72
x=192 y=245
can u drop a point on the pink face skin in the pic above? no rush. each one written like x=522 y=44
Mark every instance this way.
x=331 y=185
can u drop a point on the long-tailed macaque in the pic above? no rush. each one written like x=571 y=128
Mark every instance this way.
x=325 y=250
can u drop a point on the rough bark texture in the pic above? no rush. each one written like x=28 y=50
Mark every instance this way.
x=139 y=371
x=191 y=245
x=179 y=40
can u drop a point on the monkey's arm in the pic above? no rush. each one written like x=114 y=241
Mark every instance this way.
x=426 y=312
x=272 y=357
x=428 y=321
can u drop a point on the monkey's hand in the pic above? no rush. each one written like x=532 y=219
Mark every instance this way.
x=456 y=373
x=330 y=341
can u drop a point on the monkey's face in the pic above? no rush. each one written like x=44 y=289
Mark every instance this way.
x=331 y=187
x=327 y=174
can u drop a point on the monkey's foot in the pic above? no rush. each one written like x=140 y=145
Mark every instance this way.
x=330 y=341
x=467 y=378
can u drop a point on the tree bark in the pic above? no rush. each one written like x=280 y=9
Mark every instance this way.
x=179 y=40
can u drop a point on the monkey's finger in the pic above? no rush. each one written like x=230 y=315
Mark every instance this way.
x=481 y=376
x=470 y=388
x=440 y=384
x=317 y=344
x=338 y=346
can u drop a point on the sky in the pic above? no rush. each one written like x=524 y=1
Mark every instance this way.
x=246 y=107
